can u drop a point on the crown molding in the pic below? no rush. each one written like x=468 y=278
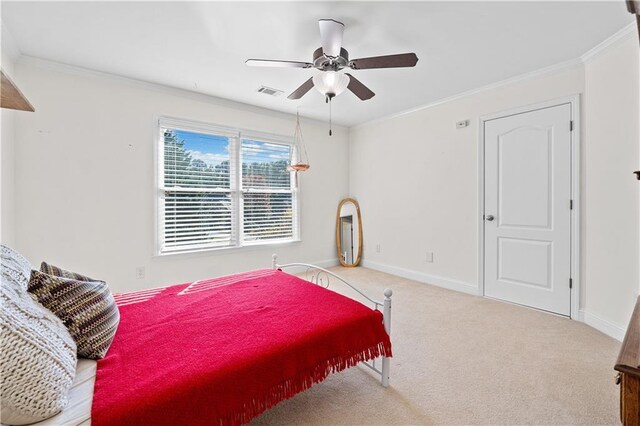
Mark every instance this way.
x=162 y=88
x=609 y=42
x=604 y=46
x=532 y=75
x=591 y=54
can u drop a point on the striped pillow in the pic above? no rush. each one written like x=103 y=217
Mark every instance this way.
x=86 y=308
x=59 y=272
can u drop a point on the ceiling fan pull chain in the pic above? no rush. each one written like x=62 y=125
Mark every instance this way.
x=330 y=125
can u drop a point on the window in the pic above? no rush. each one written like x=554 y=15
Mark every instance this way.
x=222 y=188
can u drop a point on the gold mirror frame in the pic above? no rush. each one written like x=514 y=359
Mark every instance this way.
x=338 y=245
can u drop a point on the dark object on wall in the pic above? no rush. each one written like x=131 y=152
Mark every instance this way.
x=633 y=6
x=637 y=173
x=11 y=96
x=628 y=367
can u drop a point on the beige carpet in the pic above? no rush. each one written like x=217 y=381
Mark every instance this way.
x=461 y=359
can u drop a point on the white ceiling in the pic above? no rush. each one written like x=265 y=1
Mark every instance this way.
x=202 y=46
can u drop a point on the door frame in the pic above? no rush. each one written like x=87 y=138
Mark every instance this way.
x=574 y=102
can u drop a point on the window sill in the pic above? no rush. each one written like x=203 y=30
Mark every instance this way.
x=228 y=250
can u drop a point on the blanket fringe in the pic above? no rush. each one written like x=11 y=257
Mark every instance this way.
x=304 y=380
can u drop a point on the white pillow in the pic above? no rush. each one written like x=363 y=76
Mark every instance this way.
x=15 y=267
x=38 y=355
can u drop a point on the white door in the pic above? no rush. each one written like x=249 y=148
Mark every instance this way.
x=527 y=217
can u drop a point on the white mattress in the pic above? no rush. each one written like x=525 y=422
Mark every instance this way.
x=78 y=411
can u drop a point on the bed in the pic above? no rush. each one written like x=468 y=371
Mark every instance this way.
x=274 y=336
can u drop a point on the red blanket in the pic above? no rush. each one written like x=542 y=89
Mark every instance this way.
x=222 y=351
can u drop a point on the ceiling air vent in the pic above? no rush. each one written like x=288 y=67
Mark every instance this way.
x=270 y=91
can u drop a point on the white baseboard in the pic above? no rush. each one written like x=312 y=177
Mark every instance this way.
x=321 y=263
x=602 y=325
x=447 y=283
x=329 y=263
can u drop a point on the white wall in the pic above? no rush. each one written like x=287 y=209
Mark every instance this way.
x=416 y=178
x=85 y=178
x=7 y=145
x=7 y=227
x=610 y=154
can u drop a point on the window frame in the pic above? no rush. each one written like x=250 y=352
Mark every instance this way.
x=236 y=137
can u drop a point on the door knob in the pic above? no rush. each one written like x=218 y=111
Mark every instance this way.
x=490 y=218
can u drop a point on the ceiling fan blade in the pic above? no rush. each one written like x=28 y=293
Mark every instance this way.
x=331 y=36
x=359 y=89
x=302 y=90
x=389 y=61
x=272 y=63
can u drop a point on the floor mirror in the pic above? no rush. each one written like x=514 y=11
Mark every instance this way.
x=349 y=232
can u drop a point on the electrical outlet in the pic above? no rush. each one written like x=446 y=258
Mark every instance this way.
x=462 y=124
x=140 y=272
x=378 y=248
x=429 y=257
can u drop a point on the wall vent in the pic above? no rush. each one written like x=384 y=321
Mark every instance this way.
x=269 y=91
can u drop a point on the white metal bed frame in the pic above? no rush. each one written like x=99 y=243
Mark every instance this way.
x=321 y=276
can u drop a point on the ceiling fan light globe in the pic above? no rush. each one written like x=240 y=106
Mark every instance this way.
x=330 y=83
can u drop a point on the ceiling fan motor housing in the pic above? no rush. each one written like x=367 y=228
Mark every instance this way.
x=324 y=63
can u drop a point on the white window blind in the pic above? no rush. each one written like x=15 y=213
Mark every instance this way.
x=267 y=193
x=218 y=189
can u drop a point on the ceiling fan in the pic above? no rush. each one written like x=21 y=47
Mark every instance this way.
x=332 y=58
